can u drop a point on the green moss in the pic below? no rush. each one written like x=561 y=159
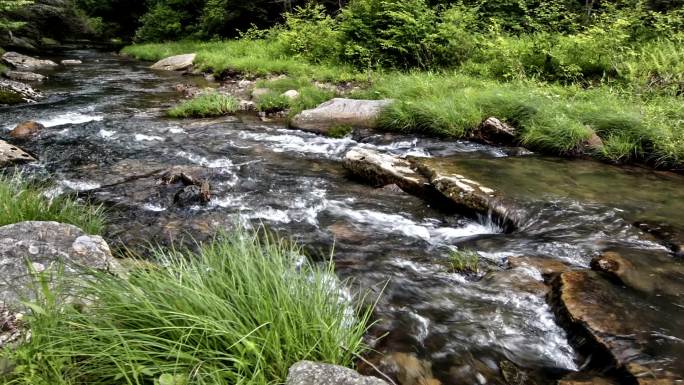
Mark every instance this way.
x=8 y=97
x=205 y=105
x=464 y=261
x=340 y=131
x=272 y=102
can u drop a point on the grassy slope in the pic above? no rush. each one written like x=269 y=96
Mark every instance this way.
x=634 y=123
x=22 y=201
x=241 y=311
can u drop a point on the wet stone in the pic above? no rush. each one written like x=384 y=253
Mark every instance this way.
x=26 y=130
x=495 y=132
x=26 y=63
x=311 y=373
x=11 y=154
x=635 y=334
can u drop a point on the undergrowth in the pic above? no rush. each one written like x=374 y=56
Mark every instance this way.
x=205 y=105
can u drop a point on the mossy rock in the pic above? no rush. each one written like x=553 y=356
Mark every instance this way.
x=8 y=97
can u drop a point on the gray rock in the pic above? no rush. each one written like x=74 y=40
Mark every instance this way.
x=22 y=76
x=175 y=63
x=71 y=62
x=19 y=92
x=381 y=169
x=291 y=94
x=259 y=92
x=311 y=373
x=340 y=112
x=26 y=63
x=11 y=154
x=45 y=246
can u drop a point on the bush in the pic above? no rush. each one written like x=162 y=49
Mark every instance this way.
x=21 y=200
x=240 y=311
x=311 y=34
x=204 y=106
x=161 y=23
x=387 y=33
x=272 y=102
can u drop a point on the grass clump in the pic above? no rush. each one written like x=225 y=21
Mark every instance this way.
x=241 y=310
x=272 y=102
x=340 y=131
x=205 y=105
x=21 y=200
x=464 y=261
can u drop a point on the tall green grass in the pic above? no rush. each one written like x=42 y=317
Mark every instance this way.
x=205 y=105
x=22 y=200
x=240 y=311
x=251 y=57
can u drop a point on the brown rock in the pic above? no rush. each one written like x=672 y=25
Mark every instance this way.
x=546 y=266
x=495 y=132
x=26 y=130
x=407 y=369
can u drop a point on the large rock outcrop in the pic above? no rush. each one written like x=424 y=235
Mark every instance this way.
x=11 y=154
x=340 y=112
x=29 y=247
x=12 y=92
x=26 y=63
x=622 y=329
x=175 y=63
x=23 y=76
x=311 y=373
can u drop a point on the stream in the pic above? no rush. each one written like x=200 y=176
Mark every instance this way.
x=106 y=135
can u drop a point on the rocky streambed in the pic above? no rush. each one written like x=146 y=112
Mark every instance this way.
x=580 y=273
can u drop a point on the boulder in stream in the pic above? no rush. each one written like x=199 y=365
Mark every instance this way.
x=620 y=328
x=382 y=169
x=44 y=246
x=26 y=63
x=495 y=132
x=26 y=130
x=312 y=373
x=340 y=112
x=11 y=154
x=13 y=92
x=175 y=63
x=24 y=76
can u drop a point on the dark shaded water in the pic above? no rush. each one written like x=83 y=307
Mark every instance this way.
x=106 y=137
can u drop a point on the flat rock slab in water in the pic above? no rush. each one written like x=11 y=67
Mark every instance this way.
x=639 y=337
x=11 y=154
x=23 y=76
x=383 y=169
x=26 y=63
x=13 y=92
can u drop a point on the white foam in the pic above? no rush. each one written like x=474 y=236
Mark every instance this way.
x=106 y=134
x=153 y=207
x=202 y=161
x=147 y=138
x=79 y=185
x=70 y=118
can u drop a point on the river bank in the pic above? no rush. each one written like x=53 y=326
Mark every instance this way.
x=609 y=122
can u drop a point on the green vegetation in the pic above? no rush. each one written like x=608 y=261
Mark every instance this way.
x=340 y=131
x=205 y=105
x=6 y=7
x=21 y=200
x=562 y=73
x=464 y=261
x=8 y=97
x=240 y=311
x=272 y=102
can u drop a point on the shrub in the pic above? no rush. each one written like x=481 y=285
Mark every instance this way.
x=272 y=102
x=387 y=32
x=160 y=23
x=311 y=34
x=242 y=310
x=205 y=105
x=21 y=200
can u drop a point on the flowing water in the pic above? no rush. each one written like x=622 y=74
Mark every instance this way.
x=107 y=134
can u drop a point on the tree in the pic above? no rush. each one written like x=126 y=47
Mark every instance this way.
x=8 y=6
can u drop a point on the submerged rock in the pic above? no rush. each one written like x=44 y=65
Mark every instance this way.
x=340 y=112
x=495 y=132
x=44 y=246
x=11 y=154
x=26 y=63
x=407 y=369
x=175 y=63
x=12 y=92
x=23 y=76
x=668 y=235
x=26 y=130
x=635 y=336
x=311 y=373
x=648 y=271
x=383 y=169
